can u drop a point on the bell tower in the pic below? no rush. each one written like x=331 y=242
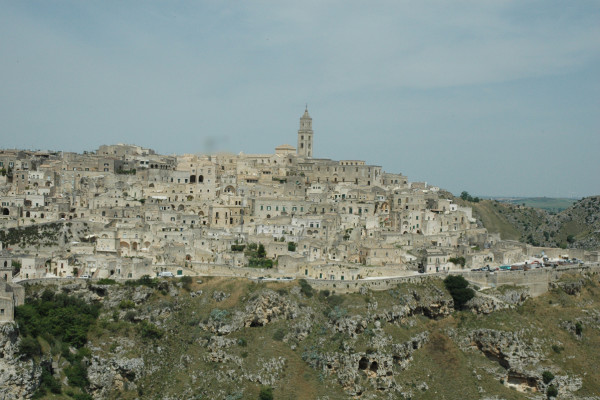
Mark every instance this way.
x=305 y=136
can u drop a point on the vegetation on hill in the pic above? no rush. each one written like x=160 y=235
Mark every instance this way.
x=576 y=227
x=235 y=339
x=57 y=324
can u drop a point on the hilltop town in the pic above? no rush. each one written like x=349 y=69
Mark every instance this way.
x=96 y=240
x=124 y=211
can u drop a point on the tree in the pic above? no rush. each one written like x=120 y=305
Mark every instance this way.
x=305 y=288
x=457 y=285
x=261 y=253
x=465 y=195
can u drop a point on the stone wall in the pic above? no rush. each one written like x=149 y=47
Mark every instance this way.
x=536 y=279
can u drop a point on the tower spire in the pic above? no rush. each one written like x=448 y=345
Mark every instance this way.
x=305 y=135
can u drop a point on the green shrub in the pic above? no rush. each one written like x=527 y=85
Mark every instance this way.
x=291 y=246
x=130 y=316
x=150 y=331
x=335 y=300
x=77 y=374
x=255 y=262
x=552 y=391
x=557 y=349
x=547 y=377
x=126 y=304
x=237 y=247
x=279 y=334
x=48 y=295
x=266 y=393
x=458 y=261
x=305 y=288
x=578 y=328
x=145 y=280
x=242 y=342
x=29 y=347
x=186 y=282
x=106 y=281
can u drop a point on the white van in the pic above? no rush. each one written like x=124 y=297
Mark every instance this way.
x=166 y=274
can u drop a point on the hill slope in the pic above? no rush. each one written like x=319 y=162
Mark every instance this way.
x=577 y=227
x=231 y=339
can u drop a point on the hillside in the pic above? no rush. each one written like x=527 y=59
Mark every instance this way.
x=576 y=227
x=234 y=339
x=550 y=204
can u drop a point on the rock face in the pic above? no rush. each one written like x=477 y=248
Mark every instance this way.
x=520 y=359
x=18 y=379
x=357 y=346
x=507 y=348
x=113 y=374
x=376 y=369
x=434 y=304
x=267 y=307
x=572 y=288
x=494 y=300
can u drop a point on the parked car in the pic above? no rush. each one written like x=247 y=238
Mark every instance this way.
x=85 y=276
x=505 y=268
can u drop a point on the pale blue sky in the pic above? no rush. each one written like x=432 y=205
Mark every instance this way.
x=494 y=97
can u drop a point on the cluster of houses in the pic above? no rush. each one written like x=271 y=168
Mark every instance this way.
x=124 y=211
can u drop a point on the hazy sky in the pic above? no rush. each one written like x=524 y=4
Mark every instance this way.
x=492 y=97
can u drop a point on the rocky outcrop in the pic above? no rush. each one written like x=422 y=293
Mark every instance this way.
x=113 y=374
x=434 y=304
x=520 y=359
x=572 y=288
x=506 y=347
x=485 y=304
x=353 y=370
x=267 y=307
x=497 y=299
x=19 y=379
